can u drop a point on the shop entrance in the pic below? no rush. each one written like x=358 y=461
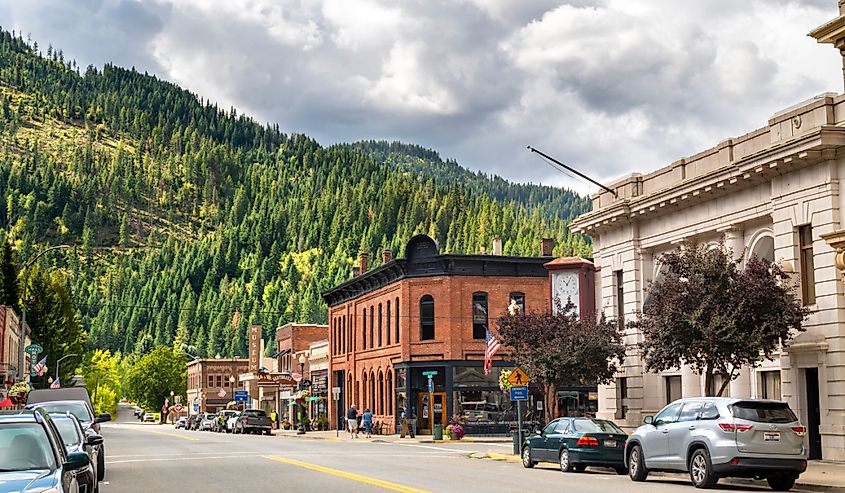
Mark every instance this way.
x=431 y=414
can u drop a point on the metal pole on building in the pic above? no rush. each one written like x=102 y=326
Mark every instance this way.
x=59 y=362
x=22 y=328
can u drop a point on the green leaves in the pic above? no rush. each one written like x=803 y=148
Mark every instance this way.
x=154 y=376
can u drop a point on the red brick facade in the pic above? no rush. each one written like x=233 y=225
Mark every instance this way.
x=207 y=376
x=380 y=324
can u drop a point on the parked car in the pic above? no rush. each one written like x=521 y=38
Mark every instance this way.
x=138 y=412
x=207 y=422
x=253 y=421
x=192 y=421
x=76 y=440
x=76 y=401
x=149 y=418
x=34 y=458
x=717 y=437
x=575 y=443
x=231 y=421
x=181 y=422
x=219 y=426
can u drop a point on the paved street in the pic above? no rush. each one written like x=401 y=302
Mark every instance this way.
x=146 y=457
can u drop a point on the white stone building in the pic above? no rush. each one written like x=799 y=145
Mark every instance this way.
x=773 y=192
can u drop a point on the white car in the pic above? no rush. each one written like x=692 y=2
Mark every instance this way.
x=230 y=423
x=207 y=423
x=149 y=418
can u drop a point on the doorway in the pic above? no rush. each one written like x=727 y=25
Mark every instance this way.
x=813 y=413
x=431 y=415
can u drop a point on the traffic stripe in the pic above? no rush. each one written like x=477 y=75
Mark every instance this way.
x=347 y=475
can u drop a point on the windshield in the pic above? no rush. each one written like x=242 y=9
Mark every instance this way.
x=256 y=412
x=764 y=412
x=70 y=433
x=24 y=446
x=78 y=409
x=596 y=426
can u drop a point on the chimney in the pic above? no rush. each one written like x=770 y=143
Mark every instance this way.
x=386 y=256
x=497 y=245
x=362 y=262
x=548 y=245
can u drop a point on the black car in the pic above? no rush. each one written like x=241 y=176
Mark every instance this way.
x=33 y=457
x=74 y=400
x=575 y=443
x=77 y=440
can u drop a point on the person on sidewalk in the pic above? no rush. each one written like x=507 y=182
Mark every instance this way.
x=273 y=419
x=367 y=421
x=352 y=421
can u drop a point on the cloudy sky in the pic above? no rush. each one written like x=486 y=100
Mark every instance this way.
x=608 y=86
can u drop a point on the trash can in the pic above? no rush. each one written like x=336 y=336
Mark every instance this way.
x=438 y=432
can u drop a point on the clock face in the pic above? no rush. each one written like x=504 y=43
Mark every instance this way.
x=566 y=287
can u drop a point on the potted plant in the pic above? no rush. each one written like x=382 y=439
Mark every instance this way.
x=455 y=430
x=322 y=422
x=18 y=392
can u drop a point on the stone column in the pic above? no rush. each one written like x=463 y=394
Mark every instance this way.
x=735 y=242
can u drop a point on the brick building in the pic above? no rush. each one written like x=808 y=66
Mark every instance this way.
x=9 y=345
x=292 y=341
x=428 y=312
x=207 y=376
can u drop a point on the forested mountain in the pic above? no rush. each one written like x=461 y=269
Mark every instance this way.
x=193 y=222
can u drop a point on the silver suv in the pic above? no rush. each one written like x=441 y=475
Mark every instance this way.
x=715 y=437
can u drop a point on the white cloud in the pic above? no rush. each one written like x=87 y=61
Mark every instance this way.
x=608 y=86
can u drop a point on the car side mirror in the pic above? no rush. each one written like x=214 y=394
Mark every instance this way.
x=77 y=460
x=94 y=440
x=103 y=418
x=649 y=420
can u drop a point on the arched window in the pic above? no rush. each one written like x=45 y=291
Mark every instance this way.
x=348 y=393
x=364 y=329
x=372 y=404
x=364 y=389
x=379 y=325
x=427 y=318
x=380 y=392
x=334 y=336
x=342 y=324
x=479 y=315
x=396 y=318
x=372 y=326
x=387 y=322
x=352 y=325
x=391 y=395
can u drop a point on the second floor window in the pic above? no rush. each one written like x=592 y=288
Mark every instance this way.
x=808 y=275
x=518 y=299
x=426 y=318
x=479 y=315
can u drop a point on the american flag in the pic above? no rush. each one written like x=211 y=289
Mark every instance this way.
x=492 y=347
x=222 y=393
x=41 y=367
x=56 y=384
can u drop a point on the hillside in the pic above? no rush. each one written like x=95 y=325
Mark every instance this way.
x=193 y=222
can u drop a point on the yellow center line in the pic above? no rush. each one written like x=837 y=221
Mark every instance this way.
x=347 y=475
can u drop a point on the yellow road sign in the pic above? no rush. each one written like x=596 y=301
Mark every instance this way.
x=518 y=377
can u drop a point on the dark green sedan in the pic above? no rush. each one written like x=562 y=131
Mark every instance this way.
x=575 y=443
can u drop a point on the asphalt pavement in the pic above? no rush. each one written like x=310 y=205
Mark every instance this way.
x=150 y=457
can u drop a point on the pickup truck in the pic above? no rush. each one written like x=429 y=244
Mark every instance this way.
x=253 y=421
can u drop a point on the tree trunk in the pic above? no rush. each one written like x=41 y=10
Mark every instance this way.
x=708 y=381
x=726 y=382
x=550 y=402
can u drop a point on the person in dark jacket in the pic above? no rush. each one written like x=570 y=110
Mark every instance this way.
x=352 y=421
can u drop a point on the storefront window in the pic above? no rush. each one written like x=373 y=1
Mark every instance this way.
x=479 y=315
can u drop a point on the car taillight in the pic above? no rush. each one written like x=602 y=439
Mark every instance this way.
x=735 y=461
x=588 y=441
x=799 y=430
x=730 y=427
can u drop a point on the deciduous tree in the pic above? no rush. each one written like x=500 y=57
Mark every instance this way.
x=561 y=348
x=709 y=313
x=150 y=380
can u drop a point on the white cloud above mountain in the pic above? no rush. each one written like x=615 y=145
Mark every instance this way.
x=608 y=86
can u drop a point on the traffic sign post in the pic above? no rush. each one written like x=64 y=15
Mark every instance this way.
x=519 y=392
x=33 y=350
x=518 y=377
x=241 y=396
x=336 y=397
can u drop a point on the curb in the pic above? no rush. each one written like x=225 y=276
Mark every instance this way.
x=495 y=456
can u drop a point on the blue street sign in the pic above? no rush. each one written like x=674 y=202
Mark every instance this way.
x=519 y=393
x=430 y=385
x=241 y=396
x=196 y=407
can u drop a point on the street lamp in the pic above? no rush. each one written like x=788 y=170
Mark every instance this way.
x=59 y=362
x=301 y=428
x=232 y=381
x=22 y=331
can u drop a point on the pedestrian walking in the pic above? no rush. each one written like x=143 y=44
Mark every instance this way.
x=352 y=421
x=367 y=421
x=273 y=419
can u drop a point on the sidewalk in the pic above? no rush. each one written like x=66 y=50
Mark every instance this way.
x=344 y=436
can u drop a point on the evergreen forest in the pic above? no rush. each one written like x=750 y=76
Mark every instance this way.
x=189 y=222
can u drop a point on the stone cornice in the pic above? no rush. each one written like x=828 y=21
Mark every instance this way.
x=751 y=170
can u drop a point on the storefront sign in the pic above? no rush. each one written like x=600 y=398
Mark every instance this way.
x=254 y=348
x=320 y=382
x=275 y=380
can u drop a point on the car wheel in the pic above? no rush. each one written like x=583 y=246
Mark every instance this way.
x=701 y=470
x=526 y=457
x=781 y=482
x=621 y=470
x=101 y=464
x=636 y=464
x=579 y=468
x=565 y=463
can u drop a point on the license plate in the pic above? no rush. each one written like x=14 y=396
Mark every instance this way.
x=610 y=443
x=771 y=436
